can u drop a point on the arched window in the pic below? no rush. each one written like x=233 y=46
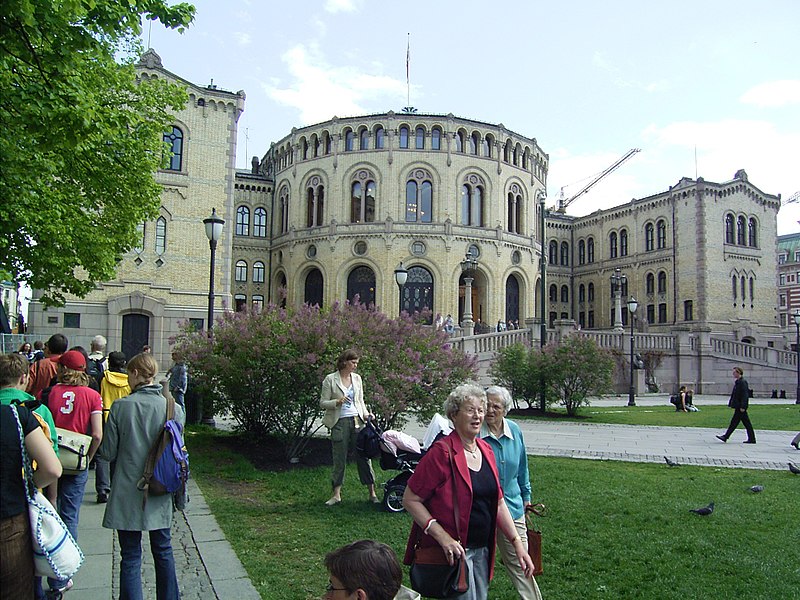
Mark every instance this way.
x=515 y=205
x=581 y=252
x=740 y=231
x=361 y=283
x=744 y=284
x=419 y=198
x=418 y=292
x=140 y=233
x=242 y=221
x=328 y=143
x=313 y=288
x=581 y=293
x=553 y=253
x=474 y=143
x=260 y=222
x=507 y=151
x=315 y=203
x=729 y=239
x=304 y=149
x=662 y=282
x=564 y=254
x=240 y=273
x=284 y=207
x=420 y=138
x=752 y=290
x=612 y=245
x=404 y=137
x=564 y=294
x=648 y=237
x=380 y=134
x=258 y=272
x=623 y=242
x=752 y=233
x=661 y=226
x=472 y=203
x=650 y=285
x=363 y=140
x=590 y=250
x=590 y=292
x=553 y=292
x=175 y=140
x=486 y=149
x=734 y=284
x=161 y=235
x=349 y=140
x=362 y=205
x=459 y=140
x=436 y=139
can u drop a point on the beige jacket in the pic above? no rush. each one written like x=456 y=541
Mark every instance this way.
x=333 y=390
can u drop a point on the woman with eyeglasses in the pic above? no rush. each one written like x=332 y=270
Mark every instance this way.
x=505 y=438
x=430 y=495
x=342 y=397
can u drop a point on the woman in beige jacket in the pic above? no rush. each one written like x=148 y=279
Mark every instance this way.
x=342 y=398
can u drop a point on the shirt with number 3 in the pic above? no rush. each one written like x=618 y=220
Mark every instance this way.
x=73 y=405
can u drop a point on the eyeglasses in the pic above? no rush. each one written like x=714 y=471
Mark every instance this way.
x=330 y=588
x=472 y=411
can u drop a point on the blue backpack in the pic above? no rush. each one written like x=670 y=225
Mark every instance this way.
x=166 y=470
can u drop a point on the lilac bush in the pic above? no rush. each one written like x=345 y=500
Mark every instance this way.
x=266 y=368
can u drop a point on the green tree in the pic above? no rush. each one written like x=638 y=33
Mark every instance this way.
x=517 y=368
x=82 y=137
x=266 y=368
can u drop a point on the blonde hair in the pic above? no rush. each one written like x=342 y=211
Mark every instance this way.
x=69 y=376
x=144 y=364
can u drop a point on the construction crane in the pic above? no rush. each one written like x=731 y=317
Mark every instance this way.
x=564 y=202
x=793 y=198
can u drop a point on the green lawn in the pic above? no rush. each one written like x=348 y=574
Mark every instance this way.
x=764 y=416
x=614 y=529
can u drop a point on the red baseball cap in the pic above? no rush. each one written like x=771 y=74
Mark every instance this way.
x=73 y=360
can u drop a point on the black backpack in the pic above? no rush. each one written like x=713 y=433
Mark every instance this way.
x=94 y=369
x=368 y=440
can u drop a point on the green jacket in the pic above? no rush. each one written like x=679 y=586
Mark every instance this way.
x=12 y=395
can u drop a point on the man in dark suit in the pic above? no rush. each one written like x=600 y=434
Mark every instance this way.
x=740 y=398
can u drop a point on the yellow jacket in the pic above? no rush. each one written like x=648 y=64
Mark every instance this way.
x=112 y=387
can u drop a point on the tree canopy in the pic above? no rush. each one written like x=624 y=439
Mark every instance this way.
x=82 y=138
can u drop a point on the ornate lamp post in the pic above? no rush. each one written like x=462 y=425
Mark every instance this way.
x=617 y=279
x=542 y=293
x=632 y=306
x=213 y=233
x=796 y=317
x=468 y=267
x=401 y=276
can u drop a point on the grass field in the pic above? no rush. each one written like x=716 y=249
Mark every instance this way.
x=614 y=530
x=764 y=416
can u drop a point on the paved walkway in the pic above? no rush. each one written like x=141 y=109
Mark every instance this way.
x=208 y=568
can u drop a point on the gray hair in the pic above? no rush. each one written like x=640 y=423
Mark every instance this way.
x=99 y=342
x=460 y=394
x=503 y=394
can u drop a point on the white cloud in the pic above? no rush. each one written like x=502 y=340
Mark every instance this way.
x=320 y=91
x=773 y=94
x=335 y=6
x=242 y=38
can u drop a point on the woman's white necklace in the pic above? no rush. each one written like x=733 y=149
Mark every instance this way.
x=473 y=452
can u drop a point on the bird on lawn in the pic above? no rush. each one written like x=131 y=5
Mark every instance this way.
x=756 y=488
x=671 y=463
x=794 y=469
x=705 y=511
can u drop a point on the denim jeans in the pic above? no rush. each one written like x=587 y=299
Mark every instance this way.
x=130 y=576
x=102 y=476
x=178 y=395
x=70 y=498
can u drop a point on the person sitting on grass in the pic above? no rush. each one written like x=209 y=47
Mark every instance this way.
x=366 y=570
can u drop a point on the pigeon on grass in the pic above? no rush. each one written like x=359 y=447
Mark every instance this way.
x=794 y=469
x=756 y=488
x=671 y=463
x=703 y=512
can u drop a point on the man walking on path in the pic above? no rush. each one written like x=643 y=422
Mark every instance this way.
x=740 y=398
x=42 y=372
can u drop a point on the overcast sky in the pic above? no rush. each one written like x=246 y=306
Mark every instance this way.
x=702 y=87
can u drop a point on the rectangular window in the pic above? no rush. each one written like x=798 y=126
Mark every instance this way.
x=782 y=302
x=797 y=256
x=258 y=303
x=240 y=302
x=688 y=310
x=591 y=319
x=783 y=319
x=662 y=313
x=72 y=320
x=196 y=324
x=782 y=258
x=651 y=313
x=782 y=279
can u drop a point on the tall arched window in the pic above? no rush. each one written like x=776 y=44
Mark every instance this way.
x=590 y=250
x=420 y=138
x=240 y=273
x=564 y=294
x=313 y=288
x=740 y=231
x=459 y=140
x=752 y=290
x=258 y=272
x=623 y=242
x=553 y=253
x=242 y=221
x=418 y=292
x=564 y=254
x=662 y=282
x=515 y=205
x=380 y=134
x=648 y=237
x=590 y=292
x=581 y=293
x=404 y=137
x=419 y=197
x=474 y=143
x=349 y=140
x=304 y=148
x=260 y=222
x=161 y=235
x=752 y=233
x=734 y=285
x=472 y=203
x=362 y=205
x=175 y=140
x=650 y=285
x=581 y=252
x=612 y=245
x=486 y=148
x=315 y=203
x=361 y=283
x=661 y=227
x=729 y=239
x=512 y=298
x=436 y=139
x=363 y=140
x=284 y=207
x=553 y=292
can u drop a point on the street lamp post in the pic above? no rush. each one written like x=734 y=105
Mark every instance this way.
x=468 y=267
x=796 y=317
x=617 y=279
x=213 y=232
x=542 y=293
x=632 y=306
x=401 y=276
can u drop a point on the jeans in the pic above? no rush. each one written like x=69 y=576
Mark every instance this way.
x=102 y=476
x=130 y=575
x=178 y=395
x=478 y=563
x=70 y=498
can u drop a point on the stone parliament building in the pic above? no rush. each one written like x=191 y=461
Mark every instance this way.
x=331 y=210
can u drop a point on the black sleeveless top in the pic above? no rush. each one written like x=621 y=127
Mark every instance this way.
x=484 y=507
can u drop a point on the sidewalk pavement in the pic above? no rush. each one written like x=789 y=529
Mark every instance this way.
x=206 y=565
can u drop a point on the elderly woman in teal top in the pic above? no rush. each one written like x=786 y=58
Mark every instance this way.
x=506 y=440
x=342 y=397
